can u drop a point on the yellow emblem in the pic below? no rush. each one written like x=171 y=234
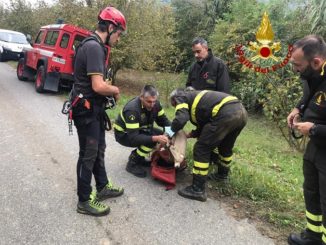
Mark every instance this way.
x=265 y=36
x=320 y=98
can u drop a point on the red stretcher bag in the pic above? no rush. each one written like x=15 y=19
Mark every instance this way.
x=162 y=167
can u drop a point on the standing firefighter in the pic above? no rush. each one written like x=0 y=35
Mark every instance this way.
x=209 y=73
x=134 y=127
x=309 y=59
x=90 y=91
x=219 y=118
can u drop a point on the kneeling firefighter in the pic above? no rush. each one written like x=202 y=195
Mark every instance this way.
x=219 y=119
x=88 y=109
x=134 y=128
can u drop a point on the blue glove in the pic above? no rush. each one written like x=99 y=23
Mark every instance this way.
x=168 y=131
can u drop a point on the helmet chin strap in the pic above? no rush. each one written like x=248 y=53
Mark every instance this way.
x=109 y=35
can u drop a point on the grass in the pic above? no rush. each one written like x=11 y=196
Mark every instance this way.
x=269 y=172
x=266 y=170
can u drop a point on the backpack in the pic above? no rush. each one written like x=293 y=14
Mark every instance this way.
x=91 y=37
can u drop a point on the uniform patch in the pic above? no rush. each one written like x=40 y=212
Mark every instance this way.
x=320 y=99
x=132 y=117
x=205 y=75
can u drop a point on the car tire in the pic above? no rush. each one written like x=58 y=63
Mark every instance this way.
x=20 y=69
x=40 y=79
x=1 y=57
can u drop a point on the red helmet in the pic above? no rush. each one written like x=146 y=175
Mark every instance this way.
x=113 y=15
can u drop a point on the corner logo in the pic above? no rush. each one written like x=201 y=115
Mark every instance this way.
x=263 y=50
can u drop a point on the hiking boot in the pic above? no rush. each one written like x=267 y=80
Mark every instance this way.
x=306 y=237
x=196 y=191
x=134 y=165
x=109 y=191
x=93 y=207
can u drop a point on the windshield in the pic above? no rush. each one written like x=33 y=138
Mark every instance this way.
x=13 y=37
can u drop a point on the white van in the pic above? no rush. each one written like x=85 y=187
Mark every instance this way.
x=12 y=44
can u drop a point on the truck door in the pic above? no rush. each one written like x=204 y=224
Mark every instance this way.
x=32 y=55
x=74 y=42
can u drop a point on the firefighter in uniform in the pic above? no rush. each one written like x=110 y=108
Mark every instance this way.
x=309 y=58
x=219 y=119
x=134 y=128
x=89 y=96
x=209 y=73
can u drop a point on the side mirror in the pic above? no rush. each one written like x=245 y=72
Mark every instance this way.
x=29 y=38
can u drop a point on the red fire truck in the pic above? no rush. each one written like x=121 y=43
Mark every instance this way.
x=50 y=60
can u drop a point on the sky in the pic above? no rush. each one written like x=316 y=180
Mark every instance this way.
x=5 y=2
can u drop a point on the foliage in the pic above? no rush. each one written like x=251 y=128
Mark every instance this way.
x=149 y=44
x=275 y=92
x=317 y=14
x=282 y=95
x=159 y=39
x=195 y=18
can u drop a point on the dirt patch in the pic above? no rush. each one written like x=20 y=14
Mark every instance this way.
x=242 y=208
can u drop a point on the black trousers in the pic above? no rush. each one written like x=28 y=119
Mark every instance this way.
x=91 y=136
x=220 y=133
x=142 y=150
x=314 y=187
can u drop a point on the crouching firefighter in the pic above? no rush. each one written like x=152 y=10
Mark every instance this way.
x=134 y=128
x=88 y=110
x=219 y=119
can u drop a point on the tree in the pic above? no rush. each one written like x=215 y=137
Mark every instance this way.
x=149 y=42
x=318 y=16
x=195 y=18
x=273 y=93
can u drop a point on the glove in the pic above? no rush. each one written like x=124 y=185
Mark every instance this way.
x=169 y=131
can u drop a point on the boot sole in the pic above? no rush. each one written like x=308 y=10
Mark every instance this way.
x=192 y=197
x=81 y=211
x=137 y=175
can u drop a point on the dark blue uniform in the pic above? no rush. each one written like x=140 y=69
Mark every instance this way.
x=313 y=109
x=134 y=126
x=90 y=119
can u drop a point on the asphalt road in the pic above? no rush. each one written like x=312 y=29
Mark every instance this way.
x=38 y=187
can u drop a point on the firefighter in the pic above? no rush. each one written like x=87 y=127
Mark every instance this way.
x=89 y=93
x=219 y=119
x=134 y=128
x=209 y=73
x=309 y=59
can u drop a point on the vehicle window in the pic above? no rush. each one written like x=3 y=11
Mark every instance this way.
x=51 y=38
x=4 y=36
x=78 y=39
x=39 y=37
x=64 y=40
x=13 y=37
